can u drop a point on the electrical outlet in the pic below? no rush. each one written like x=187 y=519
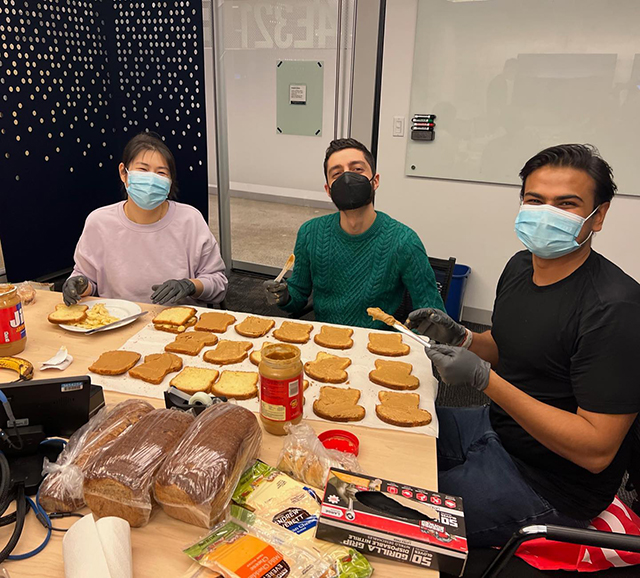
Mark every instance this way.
x=398 y=126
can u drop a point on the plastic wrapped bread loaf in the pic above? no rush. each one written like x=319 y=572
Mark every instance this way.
x=119 y=481
x=61 y=490
x=196 y=482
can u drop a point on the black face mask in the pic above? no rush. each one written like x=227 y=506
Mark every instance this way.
x=351 y=191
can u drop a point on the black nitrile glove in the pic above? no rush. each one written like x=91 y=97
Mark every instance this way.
x=73 y=289
x=277 y=293
x=172 y=291
x=438 y=326
x=458 y=366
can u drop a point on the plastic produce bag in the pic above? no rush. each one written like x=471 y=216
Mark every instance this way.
x=119 y=481
x=196 y=482
x=305 y=458
x=236 y=550
x=61 y=490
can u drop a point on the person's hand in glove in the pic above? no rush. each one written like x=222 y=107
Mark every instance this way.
x=277 y=293
x=439 y=326
x=73 y=289
x=172 y=291
x=458 y=366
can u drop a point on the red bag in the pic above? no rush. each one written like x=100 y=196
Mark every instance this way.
x=549 y=555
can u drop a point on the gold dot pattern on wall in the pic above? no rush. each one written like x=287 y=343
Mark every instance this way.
x=54 y=79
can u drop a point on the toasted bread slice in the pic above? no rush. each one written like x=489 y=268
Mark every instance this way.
x=394 y=375
x=65 y=314
x=338 y=404
x=293 y=332
x=334 y=337
x=254 y=327
x=194 y=379
x=389 y=344
x=114 y=362
x=228 y=352
x=328 y=368
x=401 y=409
x=216 y=321
x=177 y=329
x=174 y=316
x=237 y=385
x=191 y=343
x=156 y=367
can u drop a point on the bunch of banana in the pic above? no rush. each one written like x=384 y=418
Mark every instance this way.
x=21 y=366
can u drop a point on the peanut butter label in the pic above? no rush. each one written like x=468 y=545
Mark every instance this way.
x=12 y=324
x=281 y=400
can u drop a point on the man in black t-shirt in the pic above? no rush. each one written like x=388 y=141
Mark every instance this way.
x=560 y=364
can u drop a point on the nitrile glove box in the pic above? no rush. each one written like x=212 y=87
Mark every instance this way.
x=394 y=520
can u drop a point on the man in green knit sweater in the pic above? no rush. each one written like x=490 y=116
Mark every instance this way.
x=358 y=257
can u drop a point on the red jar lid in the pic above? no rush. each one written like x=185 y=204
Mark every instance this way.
x=341 y=440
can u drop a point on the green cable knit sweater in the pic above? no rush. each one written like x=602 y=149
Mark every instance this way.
x=349 y=273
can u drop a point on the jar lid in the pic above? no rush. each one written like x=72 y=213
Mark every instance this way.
x=341 y=440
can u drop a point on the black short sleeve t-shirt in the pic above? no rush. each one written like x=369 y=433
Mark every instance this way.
x=571 y=344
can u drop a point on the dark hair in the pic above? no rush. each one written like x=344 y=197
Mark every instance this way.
x=583 y=157
x=151 y=141
x=348 y=143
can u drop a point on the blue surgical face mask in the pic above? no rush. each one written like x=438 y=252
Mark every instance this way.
x=549 y=232
x=148 y=190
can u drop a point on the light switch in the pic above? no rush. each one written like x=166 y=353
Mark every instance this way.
x=398 y=126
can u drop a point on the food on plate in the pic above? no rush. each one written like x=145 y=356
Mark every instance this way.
x=254 y=326
x=194 y=379
x=191 y=343
x=215 y=321
x=66 y=314
x=156 y=367
x=328 y=368
x=97 y=316
x=228 y=352
x=119 y=481
x=236 y=385
x=394 y=375
x=389 y=344
x=401 y=409
x=334 y=337
x=338 y=404
x=293 y=332
x=175 y=319
x=114 y=362
x=224 y=439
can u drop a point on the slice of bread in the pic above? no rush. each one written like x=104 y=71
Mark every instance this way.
x=338 y=404
x=114 y=362
x=328 y=368
x=254 y=326
x=401 y=409
x=228 y=352
x=293 y=332
x=175 y=328
x=191 y=343
x=174 y=316
x=194 y=379
x=156 y=367
x=334 y=337
x=389 y=344
x=394 y=375
x=64 y=314
x=216 y=321
x=237 y=385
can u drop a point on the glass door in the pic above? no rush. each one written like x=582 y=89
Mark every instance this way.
x=280 y=75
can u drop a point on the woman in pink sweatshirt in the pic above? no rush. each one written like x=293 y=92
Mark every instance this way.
x=148 y=248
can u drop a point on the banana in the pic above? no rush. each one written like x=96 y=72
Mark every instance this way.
x=21 y=366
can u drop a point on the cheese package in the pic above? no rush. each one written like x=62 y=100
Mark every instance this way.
x=237 y=551
x=270 y=500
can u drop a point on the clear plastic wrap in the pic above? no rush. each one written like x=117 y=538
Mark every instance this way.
x=61 y=490
x=268 y=499
x=238 y=550
x=118 y=482
x=196 y=482
x=305 y=458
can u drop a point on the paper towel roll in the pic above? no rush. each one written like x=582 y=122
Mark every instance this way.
x=99 y=549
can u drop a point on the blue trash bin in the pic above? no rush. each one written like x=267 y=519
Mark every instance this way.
x=456 y=291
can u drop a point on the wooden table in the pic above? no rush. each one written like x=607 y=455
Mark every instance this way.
x=157 y=548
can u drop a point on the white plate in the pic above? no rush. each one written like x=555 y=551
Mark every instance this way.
x=116 y=307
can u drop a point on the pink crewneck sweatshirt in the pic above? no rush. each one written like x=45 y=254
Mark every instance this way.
x=123 y=259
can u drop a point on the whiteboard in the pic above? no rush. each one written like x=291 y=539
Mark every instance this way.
x=507 y=78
